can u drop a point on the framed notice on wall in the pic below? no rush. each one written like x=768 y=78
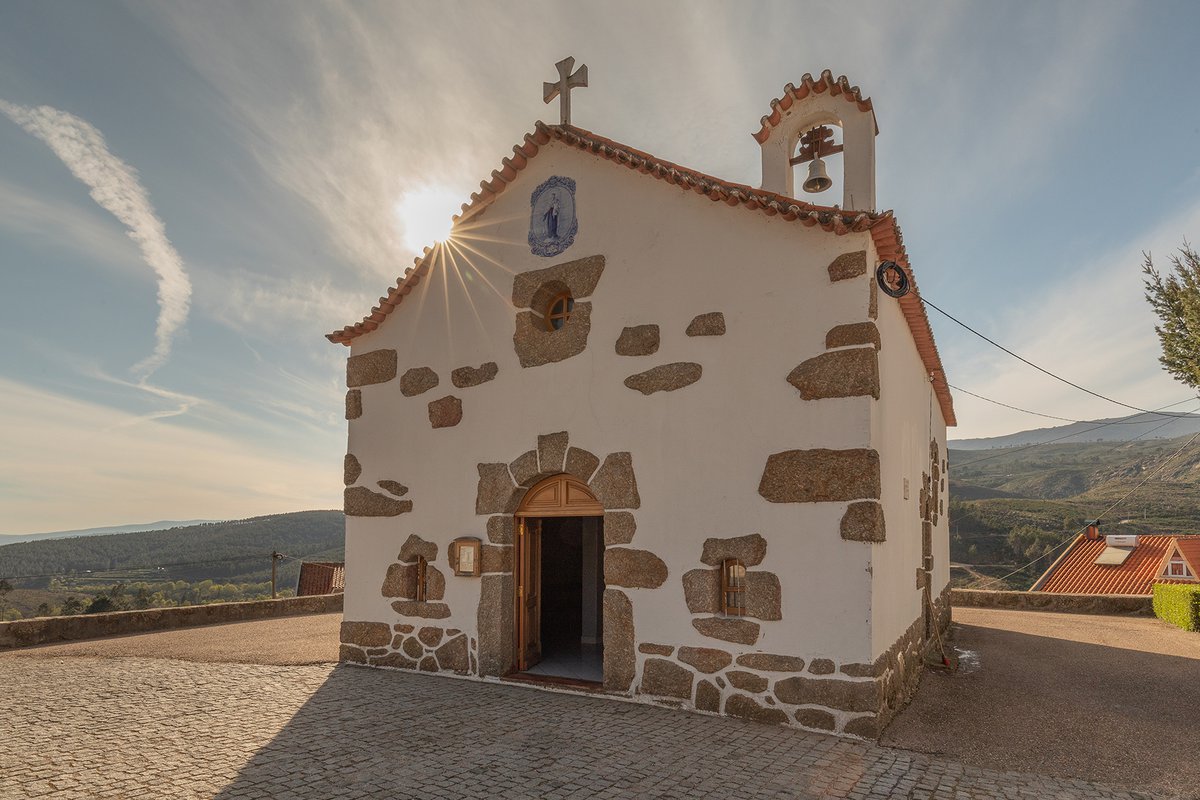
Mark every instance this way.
x=465 y=556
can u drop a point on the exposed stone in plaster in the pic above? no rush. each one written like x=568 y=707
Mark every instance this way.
x=524 y=468
x=829 y=692
x=859 y=670
x=359 y=501
x=495 y=621
x=454 y=655
x=820 y=475
x=428 y=664
x=702 y=590
x=614 y=484
x=816 y=718
x=366 y=634
x=822 y=666
x=656 y=649
x=435 y=583
x=536 y=346
x=666 y=679
x=873 y=303
x=400 y=581
x=377 y=366
x=351 y=469
x=763 y=596
x=705 y=659
x=393 y=487
x=855 y=333
x=496 y=493
x=665 y=378
x=619 y=658
x=348 y=654
x=394 y=661
x=500 y=529
x=838 y=373
x=619 y=527
x=747 y=681
x=738 y=631
x=579 y=277
x=639 y=340
x=445 y=412
x=354 y=404
x=401 y=627
x=413 y=608
x=866 y=727
x=708 y=697
x=429 y=636
x=739 y=705
x=466 y=377
x=412 y=648
x=863 y=522
x=927 y=538
x=552 y=452
x=495 y=558
x=416 y=546
x=417 y=380
x=635 y=569
x=848 y=265
x=710 y=324
x=750 y=550
x=769 y=662
x=581 y=463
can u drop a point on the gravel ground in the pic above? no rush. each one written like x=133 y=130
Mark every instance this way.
x=310 y=639
x=1110 y=699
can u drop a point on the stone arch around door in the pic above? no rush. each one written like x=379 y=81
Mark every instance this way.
x=502 y=488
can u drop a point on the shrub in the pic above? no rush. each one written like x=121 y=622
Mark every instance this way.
x=1178 y=604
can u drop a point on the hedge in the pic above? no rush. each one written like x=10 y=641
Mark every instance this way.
x=1178 y=604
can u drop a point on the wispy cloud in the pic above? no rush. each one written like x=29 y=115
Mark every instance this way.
x=116 y=188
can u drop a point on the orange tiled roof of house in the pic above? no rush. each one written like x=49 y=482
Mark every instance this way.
x=1189 y=546
x=321 y=577
x=884 y=230
x=1076 y=570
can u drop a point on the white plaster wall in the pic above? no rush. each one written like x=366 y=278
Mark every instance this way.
x=904 y=421
x=698 y=452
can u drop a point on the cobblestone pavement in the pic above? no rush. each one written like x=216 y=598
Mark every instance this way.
x=87 y=727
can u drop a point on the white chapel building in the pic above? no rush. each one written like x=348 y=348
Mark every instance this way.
x=638 y=430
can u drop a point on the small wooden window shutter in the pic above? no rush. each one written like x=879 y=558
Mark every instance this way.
x=733 y=587
x=421 y=574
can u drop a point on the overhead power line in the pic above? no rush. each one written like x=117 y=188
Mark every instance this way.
x=1024 y=360
x=1128 y=420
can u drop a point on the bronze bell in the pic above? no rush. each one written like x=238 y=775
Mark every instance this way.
x=818 y=180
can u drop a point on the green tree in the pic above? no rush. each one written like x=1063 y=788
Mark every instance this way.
x=43 y=610
x=100 y=603
x=1175 y=298
x=72 y=605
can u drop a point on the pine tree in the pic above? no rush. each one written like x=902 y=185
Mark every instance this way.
x=1175 y=298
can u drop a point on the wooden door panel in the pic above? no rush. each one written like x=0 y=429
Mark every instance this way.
x=529 y=594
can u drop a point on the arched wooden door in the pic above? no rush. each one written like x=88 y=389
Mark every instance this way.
x=556 y=496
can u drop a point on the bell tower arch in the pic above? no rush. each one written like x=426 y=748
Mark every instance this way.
x=824 y=101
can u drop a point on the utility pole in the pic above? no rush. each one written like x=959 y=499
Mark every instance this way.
x=274 y=561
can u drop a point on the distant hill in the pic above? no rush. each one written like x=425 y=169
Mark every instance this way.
x=16 y=538
x=1122 y=430
x=238 y=550
x=1009 y=506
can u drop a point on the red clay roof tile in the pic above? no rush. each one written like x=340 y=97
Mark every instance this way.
x=1076 y=571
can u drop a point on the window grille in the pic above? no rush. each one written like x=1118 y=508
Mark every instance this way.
x=421 y=579
x=733 y=587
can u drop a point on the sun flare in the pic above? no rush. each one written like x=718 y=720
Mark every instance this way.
x=424 y=216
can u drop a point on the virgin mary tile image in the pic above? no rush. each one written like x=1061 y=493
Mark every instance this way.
x=552 y=221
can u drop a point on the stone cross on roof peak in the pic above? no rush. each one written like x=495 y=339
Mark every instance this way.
x=563 y=86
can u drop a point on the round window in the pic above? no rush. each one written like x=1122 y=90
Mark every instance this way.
x=559 y=311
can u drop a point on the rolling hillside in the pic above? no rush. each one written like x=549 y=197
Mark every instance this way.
x=1011 y=505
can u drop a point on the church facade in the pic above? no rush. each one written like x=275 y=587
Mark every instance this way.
x=637 y=430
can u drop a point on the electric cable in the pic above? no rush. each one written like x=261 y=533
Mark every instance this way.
x=1024 y=360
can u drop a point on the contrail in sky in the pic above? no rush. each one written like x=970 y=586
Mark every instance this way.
x=115 y=187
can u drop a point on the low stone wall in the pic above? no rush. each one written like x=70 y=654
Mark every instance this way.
x=45 y=630
x=1127 y=604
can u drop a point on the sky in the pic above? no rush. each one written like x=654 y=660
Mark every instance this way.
x=192 y=194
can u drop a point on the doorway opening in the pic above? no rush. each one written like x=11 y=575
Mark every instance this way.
x=560 y=584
